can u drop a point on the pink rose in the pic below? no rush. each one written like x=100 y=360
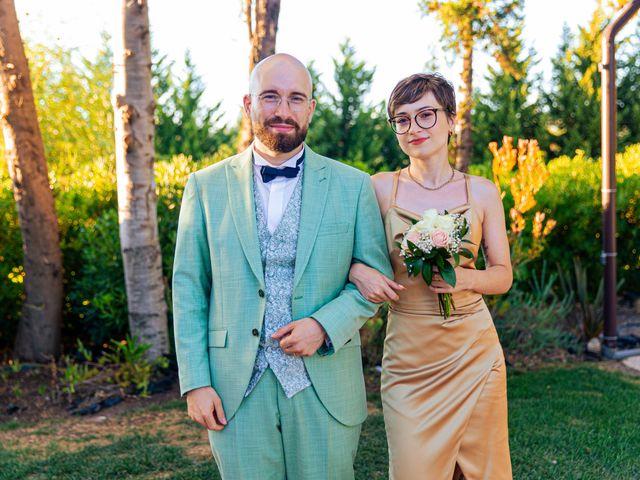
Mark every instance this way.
x=440 y=238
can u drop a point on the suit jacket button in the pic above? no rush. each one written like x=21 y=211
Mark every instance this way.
x=255 y=332
x=261 y=293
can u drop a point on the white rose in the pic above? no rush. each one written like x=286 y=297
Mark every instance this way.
x=423 y=226
x=445 y=222
x=430 y=214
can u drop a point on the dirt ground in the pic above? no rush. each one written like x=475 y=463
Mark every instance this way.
x=40 y=422
x=72 y=433
x=35 y=393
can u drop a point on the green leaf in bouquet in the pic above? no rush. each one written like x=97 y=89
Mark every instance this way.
x=414 y=265
x=427 y=272
x=448 y=274
x=465 y=252
x=409 y=262
x=440 y=262
x=419 y=266
x=431 y=255
x=456 y=258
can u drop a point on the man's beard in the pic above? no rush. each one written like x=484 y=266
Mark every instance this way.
x=279 y=142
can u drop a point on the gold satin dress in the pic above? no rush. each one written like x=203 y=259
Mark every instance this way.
x=444 y=391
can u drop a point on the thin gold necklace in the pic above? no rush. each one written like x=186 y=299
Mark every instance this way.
x=453 y=172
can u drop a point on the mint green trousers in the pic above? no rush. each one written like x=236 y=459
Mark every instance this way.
x=272 y=437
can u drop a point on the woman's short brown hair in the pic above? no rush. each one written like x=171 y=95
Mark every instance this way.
x=414 y=87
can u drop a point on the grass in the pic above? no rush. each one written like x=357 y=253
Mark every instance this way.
x=575 y=422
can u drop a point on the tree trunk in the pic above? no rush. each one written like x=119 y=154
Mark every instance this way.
x=38 y=337
x=262 y=21
x=465 y=143
x=133 y=118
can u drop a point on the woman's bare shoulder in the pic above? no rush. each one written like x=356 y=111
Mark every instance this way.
x=383 y=186
x=483 y=189
x=383 y=182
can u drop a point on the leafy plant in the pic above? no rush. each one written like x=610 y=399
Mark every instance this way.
x=529 y=319
x=587 y=318
x=15 y=366
x=82 y=350
x=74 y=374
x=131 y=365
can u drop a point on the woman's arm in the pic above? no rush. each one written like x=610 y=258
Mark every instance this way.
x=498 y=276
x=373 y=285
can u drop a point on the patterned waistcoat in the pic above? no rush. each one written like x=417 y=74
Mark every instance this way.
x=278 y=251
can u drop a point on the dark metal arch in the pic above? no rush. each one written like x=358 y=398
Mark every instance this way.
x=609 y=127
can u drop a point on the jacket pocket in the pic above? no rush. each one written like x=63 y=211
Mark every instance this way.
x=217 y=338
x=333 y=228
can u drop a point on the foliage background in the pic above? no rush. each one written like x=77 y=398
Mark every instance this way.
x=74 y=108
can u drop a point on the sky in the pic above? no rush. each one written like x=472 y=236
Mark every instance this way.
x=392 y=36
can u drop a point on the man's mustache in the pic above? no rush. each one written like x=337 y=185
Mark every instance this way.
x=281 y=120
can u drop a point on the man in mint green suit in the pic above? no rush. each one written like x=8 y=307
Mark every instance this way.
x=266 y=321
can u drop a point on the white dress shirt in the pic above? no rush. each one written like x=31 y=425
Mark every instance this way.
x=276 y=194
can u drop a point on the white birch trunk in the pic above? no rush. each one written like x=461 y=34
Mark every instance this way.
x=134 y=128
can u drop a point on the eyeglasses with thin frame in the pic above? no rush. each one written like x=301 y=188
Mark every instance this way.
x=271 y=101
x=425 y=118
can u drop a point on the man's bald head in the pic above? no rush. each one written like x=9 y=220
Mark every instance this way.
x=280 y=64
x=279 y=104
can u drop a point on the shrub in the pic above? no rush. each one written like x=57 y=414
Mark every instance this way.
x=573 y=194
x=86 y=203
x=531 y=318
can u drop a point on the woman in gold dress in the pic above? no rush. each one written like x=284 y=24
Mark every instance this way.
x=443 y=389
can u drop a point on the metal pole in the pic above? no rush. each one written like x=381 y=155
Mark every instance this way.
x=609 y=124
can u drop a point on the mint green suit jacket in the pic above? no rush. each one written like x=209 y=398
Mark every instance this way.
x=218 y=280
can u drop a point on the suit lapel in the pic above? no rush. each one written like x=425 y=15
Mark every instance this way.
x=315 y=186
x=242 y=206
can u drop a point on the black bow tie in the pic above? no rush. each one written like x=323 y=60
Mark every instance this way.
x=269 y=173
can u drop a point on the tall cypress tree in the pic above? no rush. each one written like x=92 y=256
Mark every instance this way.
x=183 y=124
x=510 y=107
x=344 y=125
x=574 y=99
x=573 y=114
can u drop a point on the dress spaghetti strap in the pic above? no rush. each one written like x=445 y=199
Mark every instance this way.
x=467 y=181
x=394 y=190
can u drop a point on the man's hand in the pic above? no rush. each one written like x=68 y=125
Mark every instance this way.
x=205 y=407
x=301 y=338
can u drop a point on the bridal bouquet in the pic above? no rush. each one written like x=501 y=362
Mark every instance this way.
x=429 y=244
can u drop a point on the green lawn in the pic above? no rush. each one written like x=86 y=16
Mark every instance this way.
x=575 y=422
